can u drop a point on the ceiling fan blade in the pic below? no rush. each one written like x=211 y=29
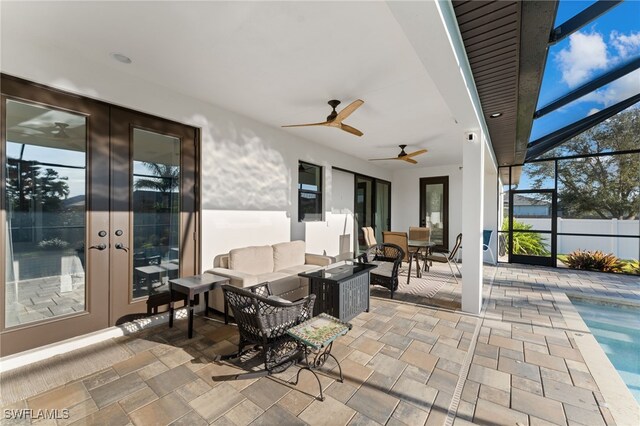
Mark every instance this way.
x=348 y=110
x=383 y=159
x=416 y=153
x=324 y=123
x=408 y=160
x=350 y=129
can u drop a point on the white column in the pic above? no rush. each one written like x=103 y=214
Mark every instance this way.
x=472 y=221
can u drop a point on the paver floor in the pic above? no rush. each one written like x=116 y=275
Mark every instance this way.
x=516 y=364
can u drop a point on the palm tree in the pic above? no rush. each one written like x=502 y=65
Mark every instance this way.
x=167 y=180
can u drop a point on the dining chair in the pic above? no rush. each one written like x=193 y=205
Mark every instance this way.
x=369 y=236
x=401 y=240
x=421 y=234
x=486 y=240
x=447 y=256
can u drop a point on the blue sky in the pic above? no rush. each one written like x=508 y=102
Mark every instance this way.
x=602 y=45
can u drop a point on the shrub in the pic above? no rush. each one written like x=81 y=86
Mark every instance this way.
x=526 y=243
x=53 y=244
x=632 y=267
x=594 y=261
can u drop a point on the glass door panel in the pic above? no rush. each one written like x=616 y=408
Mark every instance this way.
x=45 y=201
x=434 y=208
x=156 y=211
x=383 y=208
x=55 y=261
x=363 y=210
x=531 y=230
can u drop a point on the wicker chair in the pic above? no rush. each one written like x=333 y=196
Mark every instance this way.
x=263 y=321
x=386 y=274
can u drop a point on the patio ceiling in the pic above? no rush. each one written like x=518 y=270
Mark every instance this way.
x=276 y=62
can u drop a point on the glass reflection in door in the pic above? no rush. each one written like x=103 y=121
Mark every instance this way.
x=434 y=208
x=156 y=211
x=363 y=209
x=383 y=208
x=45 y=213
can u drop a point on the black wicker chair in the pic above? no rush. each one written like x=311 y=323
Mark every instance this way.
x=263 y=322
x=386 y=274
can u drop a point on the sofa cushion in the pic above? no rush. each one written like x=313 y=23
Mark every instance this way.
x=295 y=270
x=221 y=261
x=288 y=254
x=270 y=278
x=252 y=260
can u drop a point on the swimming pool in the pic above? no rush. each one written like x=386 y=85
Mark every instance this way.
x=617 y=330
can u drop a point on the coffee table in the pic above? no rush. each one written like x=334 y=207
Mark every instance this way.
x=193 y=286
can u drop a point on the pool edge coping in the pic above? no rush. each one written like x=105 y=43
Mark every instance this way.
x=620 y=402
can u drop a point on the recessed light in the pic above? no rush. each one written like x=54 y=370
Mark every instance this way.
x=495 y=115
x=121 y=58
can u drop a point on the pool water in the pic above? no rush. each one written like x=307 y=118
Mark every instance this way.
x=617 y=330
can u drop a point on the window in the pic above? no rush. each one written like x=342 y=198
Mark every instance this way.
x=309 y=192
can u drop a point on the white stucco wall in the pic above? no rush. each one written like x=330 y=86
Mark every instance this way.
x=405 y=197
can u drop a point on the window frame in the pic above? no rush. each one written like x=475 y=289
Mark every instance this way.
x=318 y=193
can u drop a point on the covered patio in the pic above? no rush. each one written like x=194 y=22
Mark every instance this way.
x=527 y=359
x=146 y=145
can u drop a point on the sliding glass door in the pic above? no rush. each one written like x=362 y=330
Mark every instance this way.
x=372 y=208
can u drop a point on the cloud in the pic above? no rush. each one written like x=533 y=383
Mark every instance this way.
x=592 y=111
x=585 y=54
x=616 y=91
x=626 y=45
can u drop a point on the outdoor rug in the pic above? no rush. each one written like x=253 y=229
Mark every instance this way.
x=419 y=290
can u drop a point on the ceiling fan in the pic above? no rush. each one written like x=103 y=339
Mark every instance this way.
x=403 y=155
x=59 y=130
x=335 y=119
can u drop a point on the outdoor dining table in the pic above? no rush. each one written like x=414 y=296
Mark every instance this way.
x=422 y=245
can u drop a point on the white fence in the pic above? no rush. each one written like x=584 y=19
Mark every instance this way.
x=624 y=248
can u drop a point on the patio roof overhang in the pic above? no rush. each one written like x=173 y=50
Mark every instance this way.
x=507 y=77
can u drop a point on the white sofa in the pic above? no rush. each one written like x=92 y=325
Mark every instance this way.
x=279 y=264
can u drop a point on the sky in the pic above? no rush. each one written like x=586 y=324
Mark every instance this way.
x=600 y=46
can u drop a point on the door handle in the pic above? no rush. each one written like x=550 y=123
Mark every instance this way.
x=99 y=247
x=121 y=246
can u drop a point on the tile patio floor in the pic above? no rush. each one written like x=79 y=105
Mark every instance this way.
x=516 y=364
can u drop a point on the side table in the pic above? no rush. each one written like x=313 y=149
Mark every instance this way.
x=192 y=286
x=315 y=338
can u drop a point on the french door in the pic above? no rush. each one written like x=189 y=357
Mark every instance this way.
x=98 y=212
x=153 y=210
x=434 y=208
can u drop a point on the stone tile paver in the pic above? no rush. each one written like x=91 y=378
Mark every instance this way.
x=377 y=405
x=401 y=364
x=538 y=406
x=489 y=413
x=161 y=412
